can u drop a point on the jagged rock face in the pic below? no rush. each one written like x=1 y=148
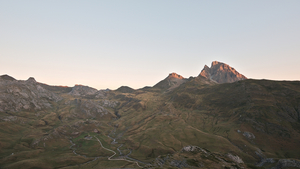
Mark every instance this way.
x=16 y=95
x=80 y=90
x=221 y=73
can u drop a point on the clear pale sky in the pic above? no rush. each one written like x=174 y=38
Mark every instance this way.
x=107 y=44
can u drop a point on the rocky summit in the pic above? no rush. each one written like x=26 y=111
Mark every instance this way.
x=175 y=75
x=170 y=82
x=6 y=77
x=221 y=73
x=80 y=90
x=217 y=120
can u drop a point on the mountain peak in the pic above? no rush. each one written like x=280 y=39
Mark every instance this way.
x=125 y=89
x=31 y=80
x=7 y=77
x=221 y=73
x=81 y=90
x=171 y=82
x=215 y=63
x=175 y=75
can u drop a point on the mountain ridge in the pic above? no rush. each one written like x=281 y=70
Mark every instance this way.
x=179 y=122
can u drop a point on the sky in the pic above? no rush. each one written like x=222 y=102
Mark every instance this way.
x=113 y=43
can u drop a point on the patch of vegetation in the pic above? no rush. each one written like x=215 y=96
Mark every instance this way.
x=254 y=166
x=192 y=162
x=183 y=100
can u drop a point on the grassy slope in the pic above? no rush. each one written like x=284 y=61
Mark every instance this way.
x=41 y=139
x=209 y=116
x=154 y=122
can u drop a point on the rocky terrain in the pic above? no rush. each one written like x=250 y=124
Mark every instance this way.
x=219 y=119
x=24 y=95
x=221 y=73
x=196 y=157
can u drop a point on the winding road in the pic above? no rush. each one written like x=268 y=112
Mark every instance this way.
x=110 y=158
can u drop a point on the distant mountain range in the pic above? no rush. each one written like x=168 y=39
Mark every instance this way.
x=218 y=73
x=219 y=119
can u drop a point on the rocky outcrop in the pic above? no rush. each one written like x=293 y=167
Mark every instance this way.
x=96 y=131
x=249 y=135
x=175 y=75
x=234 y=158
x=109 y=103
x=263 y=159
x=89 y=92
x=80 y=90
x=89 y=106
x=87 y=109
x=192 y=149
x=16 y=95
x=163 y=161
x=221 y=73
x=196 y=157
x=285 y=163
x=31 y=80
x=100 y=94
